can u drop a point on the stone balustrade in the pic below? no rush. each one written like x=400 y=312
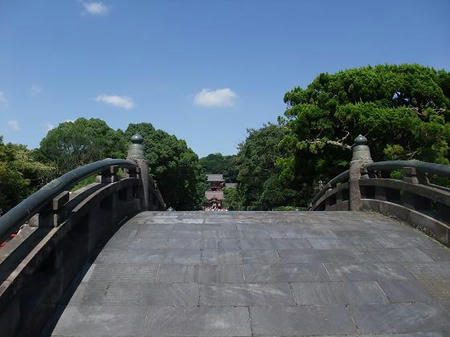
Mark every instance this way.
x=368 y=186
x=56 y=232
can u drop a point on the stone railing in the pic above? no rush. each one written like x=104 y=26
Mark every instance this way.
x=54 y=232
x=368 y=186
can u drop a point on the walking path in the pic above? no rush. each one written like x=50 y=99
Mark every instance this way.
x=263 y=274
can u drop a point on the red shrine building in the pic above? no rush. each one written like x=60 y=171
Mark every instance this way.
x=214 y=194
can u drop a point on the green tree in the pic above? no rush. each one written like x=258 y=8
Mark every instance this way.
x=173 y=165
x=217 y=163
x=73 y=144
x=232 y=199
x=20 y=174
x=402 y=110
x=260 y=186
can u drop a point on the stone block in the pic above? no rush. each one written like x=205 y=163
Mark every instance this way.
x=200 y=321
x=216 y=256
x=399 y=291
x=329 y=293
x=366 y=272
x=401 y=318
x=284 y=273
x=301 y=321
x=246 y=294
x=102 y=321
x=143 y=293
x=260 y=256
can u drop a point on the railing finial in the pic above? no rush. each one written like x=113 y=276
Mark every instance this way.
x=361 y=150
x=137 y=139
x=136 y=153
x=136 y=148
x=360 y=140
x=361 y=156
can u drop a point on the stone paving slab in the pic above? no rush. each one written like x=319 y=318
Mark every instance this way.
x=103 y=320
x=301 y=320
x=261 y=294
x=285 y=272
x=405 y=291
x=366 y=271
x=400 y=317
x=277 y=274
x=329 y=293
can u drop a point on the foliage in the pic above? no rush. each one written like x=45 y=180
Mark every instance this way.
x=403 y=111
x=73 y=144
x=173 y=165
x=85 y=182
x=285 y=209
x=217 y=163
x=20 y=174
x=232 y=199
x=260 y=186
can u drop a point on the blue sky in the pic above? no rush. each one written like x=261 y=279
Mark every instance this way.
x=204 y=70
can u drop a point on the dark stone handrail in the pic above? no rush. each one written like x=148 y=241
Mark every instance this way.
x=56 y=233
x=423 y=167
x=332 y=183
x=390 y=165
x=412 y=199
x=41 y=262
x=35 y=202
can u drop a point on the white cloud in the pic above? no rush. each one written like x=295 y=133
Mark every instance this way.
x=14 y=125
x=3 y=100
x=215 y=98
x=50 y=126
x=95 y=8
x=123 y=102
x=35 y=90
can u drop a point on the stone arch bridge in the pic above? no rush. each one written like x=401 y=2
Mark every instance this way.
x=108 y=260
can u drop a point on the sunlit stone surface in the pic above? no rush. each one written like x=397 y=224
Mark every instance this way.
x=262 y=274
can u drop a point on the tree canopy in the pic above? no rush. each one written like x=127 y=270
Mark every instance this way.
x=260 y=187
x=20 y=174
x=403 y=111
x=173 y=165
x=217 y=163
x=73 y=144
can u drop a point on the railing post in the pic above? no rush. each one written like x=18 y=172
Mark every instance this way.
x=339 y=195
x=410 y=175
x=136 y=153
x=108 y=176
x=412 y=200
x=53 y=214
x=361 y=156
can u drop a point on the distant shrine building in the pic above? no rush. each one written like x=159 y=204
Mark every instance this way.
x=214 y=194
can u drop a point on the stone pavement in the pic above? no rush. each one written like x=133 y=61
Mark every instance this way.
x=263 y=274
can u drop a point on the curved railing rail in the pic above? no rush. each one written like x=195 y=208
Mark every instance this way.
x=55 y=232
x=422 y=169
x=420 y=166
x=64 y=229
x=412 y=198
x=413 y=169
x=35 y=202
x=331 y=184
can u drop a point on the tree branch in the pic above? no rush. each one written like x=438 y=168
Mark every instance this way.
x=331 y=142
x=339 y=144
x=345 y=137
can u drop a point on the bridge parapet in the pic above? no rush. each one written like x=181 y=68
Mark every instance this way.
x=368 y=186
x=59 y=231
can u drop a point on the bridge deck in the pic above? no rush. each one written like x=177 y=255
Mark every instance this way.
x=263 y=274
